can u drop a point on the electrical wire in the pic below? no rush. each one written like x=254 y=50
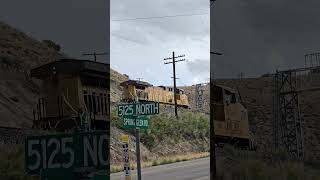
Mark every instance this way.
x=160 y=17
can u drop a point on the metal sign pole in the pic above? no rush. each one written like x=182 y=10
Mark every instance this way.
x=138 y=153
x=126 y=165
x=135 y=117
x=138 y=148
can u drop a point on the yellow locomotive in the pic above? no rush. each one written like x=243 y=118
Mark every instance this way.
x=76 y=93
x=230 y=117
x=147 y=92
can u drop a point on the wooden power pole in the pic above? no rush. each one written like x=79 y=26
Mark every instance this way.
x=173 y=62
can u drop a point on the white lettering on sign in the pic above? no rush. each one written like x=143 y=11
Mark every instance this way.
x=95 y=150
x=88 y=149
x=48 y=159
x=101 y=152
x=128 y=122
x=151 y=108
x=142 y=122
x=50 y=152
x=67 y=150
x=125 y=110
x=32 y=152
x=53 y=142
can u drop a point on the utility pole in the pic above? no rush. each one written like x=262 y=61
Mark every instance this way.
x=173 y=62
x=213 y=165
x=94 y=55
x=241 y=75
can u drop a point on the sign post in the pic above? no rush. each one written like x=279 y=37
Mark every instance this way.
x=138 y=110
x=138 y=153
x=126 y=163
x=134 y=116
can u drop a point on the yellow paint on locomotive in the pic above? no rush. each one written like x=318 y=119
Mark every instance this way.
x=230 y=115
x=146 y=92
x=72 y=86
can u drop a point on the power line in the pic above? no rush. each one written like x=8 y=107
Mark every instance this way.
x=94 y=55
x=160 y=17
x=125 y=38
x=213 y=163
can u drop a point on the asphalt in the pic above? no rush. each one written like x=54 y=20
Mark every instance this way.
x=188 y=170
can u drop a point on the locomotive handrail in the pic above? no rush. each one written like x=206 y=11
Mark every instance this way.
x=69 y=105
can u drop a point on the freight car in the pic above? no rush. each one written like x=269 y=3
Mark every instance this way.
x=147 y=92
x=230 y=117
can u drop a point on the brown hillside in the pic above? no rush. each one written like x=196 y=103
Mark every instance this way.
x=18 y=92
x=19 y=51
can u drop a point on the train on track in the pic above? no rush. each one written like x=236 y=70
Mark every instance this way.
x=230 y=116
x=231 y=124
x=75 y=86
x=147 y=92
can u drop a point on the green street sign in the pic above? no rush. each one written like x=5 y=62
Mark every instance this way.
x=67 y=151
x=139 y=108
x=101 y=177
x=132 y=122
x=61 y=174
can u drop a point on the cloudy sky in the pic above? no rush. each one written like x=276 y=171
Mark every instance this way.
x=255 y=37
x=139 y=46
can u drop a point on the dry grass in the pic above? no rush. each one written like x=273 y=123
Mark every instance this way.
x=245 y=165
x=163 y=160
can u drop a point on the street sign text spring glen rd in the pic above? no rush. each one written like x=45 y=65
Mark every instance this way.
x=135 y=122
x=146 y=108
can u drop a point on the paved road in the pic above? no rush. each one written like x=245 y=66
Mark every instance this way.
x=187 y=170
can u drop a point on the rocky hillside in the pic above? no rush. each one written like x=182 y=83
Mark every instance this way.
x=19 y=53
x=115 y=89
x=192 y=97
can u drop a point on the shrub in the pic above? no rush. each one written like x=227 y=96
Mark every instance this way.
x=189 y=126
x=12 y=163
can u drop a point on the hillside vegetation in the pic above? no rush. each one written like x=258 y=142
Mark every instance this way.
x=168 y=135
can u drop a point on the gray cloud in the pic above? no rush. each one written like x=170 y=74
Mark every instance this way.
x=261 y=36
x=159 y=37
x=199 y=66
x=255 y=37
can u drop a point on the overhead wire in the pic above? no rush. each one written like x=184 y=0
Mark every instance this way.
x=160 y=17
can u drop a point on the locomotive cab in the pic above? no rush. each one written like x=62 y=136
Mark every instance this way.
x=76 y=93
x=230 y=117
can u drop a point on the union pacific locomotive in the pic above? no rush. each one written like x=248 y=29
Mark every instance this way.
x=147 y=92
x=230 y=116
x=76 y=93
